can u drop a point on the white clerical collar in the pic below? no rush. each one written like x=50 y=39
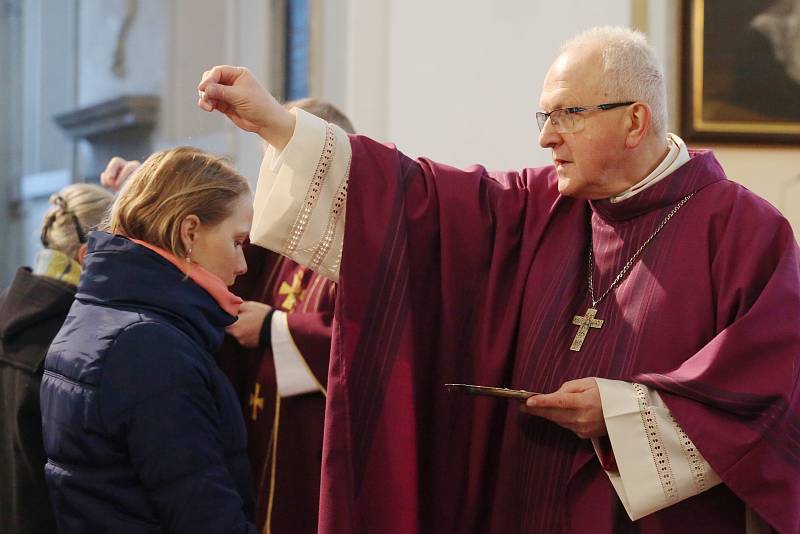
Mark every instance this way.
x=678 y=155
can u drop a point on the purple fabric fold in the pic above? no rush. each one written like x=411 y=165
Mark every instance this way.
x=467 y=276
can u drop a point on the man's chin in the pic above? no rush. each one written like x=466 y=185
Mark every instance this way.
x=569 y=187
x=565 y=185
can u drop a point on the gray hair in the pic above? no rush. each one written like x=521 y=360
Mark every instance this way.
x=631 y=70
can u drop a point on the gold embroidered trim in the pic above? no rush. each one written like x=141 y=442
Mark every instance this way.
x=337 y=209
x=697 y=464
x=657 y=449
x=338 y=261
x=273 y=462
x=312 y=194
x=332 y=271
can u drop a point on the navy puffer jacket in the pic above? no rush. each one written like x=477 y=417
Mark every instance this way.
x=142 y=431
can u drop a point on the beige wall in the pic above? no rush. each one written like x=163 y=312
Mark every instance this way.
x=459 y=80
x=771 y=172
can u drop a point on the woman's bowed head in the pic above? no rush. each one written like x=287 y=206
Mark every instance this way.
x=190 y=204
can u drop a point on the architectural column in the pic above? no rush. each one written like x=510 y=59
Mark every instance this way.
x=10 y=136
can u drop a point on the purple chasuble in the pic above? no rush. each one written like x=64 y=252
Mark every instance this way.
x=459 y=276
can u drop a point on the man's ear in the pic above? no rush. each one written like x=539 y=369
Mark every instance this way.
x=638 y=124
x=189 y=227
x=81 y=253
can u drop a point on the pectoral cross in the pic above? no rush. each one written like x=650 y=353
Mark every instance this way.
x=256 y=401
x=293 y=292
x=584 y=322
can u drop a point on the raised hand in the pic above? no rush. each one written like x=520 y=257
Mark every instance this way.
x=117 y=172
x=575 y=406
x=235 y=92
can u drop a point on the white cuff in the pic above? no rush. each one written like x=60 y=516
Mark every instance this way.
x=291 y=370
x=658 y=465
x=300 y=200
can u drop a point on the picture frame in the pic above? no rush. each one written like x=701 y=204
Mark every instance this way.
x=741 y=71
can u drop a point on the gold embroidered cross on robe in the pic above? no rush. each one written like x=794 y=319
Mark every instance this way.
x=294 y=293
x=256 y=402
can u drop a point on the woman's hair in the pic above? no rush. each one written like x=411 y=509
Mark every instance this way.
x=74 y=211
x=169 y=186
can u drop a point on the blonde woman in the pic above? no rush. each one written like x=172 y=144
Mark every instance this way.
x=143 y=432
x=32 y=310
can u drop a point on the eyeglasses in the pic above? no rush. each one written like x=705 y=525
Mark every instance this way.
x=570 y=120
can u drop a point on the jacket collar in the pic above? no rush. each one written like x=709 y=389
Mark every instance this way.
x=121 y=274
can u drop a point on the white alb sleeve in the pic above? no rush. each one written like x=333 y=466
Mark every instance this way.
x=658 y=465
x=292 y=372
x=299 y=205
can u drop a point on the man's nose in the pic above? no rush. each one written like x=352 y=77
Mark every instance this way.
x=549 y=137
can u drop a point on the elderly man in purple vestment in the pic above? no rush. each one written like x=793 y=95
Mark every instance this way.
x=655 y=302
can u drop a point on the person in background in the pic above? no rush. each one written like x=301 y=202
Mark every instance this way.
x=32 y=309
x=142 y=430
x=276 y=355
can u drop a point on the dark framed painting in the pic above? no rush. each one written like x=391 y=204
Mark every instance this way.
x=741 y=71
